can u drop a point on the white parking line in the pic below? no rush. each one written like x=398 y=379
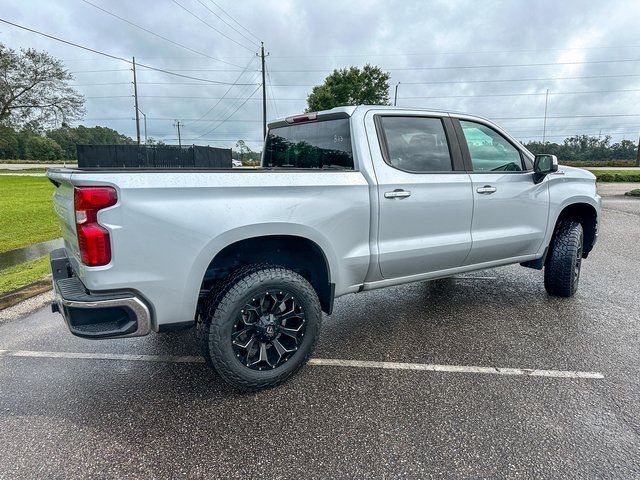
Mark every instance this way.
x=322 y=362
x=103 y=356
x=454 y=368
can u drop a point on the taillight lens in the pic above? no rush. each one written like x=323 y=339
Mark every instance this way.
x=93 y=239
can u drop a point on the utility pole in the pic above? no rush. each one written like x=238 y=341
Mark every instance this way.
x=264 y=93
x=135 y=96
x=544 y=125
x=395 y=97
x=177 y=124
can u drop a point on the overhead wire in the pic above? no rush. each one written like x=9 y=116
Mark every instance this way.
x=151 y=32
x=210 y=26
x=235 y=21
x=115 y=57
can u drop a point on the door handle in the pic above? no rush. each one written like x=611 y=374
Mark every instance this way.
x=397 y=193
x=486 y=189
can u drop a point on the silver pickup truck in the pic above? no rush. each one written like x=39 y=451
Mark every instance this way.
x=346 y=200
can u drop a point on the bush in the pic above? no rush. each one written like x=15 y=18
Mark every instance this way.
x=599 y=163
x=634 y=193
x=616 y=176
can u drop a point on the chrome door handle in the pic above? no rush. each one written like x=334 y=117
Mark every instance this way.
x=397 y=193
x=486 y=189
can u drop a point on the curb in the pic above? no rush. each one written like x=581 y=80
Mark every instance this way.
x=16 y=296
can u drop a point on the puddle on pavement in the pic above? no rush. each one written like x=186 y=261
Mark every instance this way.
x=30 y=252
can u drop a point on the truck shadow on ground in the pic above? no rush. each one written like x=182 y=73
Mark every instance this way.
x=467 y=319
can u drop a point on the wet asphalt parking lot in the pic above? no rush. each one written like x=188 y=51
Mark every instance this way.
x=110 y=414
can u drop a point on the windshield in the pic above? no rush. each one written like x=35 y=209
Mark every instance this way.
x=323 y=144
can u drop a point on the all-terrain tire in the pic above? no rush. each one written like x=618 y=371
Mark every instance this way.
x=220 y=313
x=562 y=268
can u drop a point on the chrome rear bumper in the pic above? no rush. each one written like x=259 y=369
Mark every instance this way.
x=96 y=315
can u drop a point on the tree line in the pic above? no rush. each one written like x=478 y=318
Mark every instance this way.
x=586 y=148
x=55 y=144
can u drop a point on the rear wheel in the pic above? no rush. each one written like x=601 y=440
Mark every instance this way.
x=562 y=269
x=260 y=326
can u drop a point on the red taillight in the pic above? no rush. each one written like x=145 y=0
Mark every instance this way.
x=93 y=239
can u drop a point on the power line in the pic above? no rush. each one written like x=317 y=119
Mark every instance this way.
x=115 y=57
x=235 y=21
x=448 y=82
x=242 y=94
x=201 y=97
x=229 y=25
x=210 y=26
x=201 y=120
x=520 y=94
x=223 y=113
x=169 y=118
x=570 y=116
x=451 y=67
x=271 y=95
x=229 y=89
x=133 y=24
x=231 y=115
x=102 y=84
x=457 y=67
x=169 y=70
x=458 y=53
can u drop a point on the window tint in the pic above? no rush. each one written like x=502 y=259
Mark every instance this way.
x=416 y=144
x=322 y=144
x=490 y=151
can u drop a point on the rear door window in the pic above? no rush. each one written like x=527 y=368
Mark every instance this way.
x=416 y=144
x=320 y=145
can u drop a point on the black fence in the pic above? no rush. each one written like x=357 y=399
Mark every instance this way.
x=152 y=156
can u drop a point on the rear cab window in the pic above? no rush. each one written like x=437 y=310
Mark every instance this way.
x=415 y=144
x=320 y=144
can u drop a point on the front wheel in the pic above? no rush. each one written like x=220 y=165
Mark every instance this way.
x=260 y=326
x=562 y=269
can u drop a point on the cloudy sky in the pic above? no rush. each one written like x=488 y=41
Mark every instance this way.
x=490 y=58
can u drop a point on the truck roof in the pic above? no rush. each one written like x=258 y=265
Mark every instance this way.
x=351 y=110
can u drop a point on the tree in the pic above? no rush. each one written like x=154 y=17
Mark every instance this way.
x=68 y=137
x=243 y=149
x=34 y=89
x=351 y=86
x=9 y=143
x=42 y=148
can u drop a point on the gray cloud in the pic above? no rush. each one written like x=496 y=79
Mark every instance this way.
x=306 y=40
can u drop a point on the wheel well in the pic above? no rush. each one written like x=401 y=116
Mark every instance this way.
x=586 y=215
x=296 y=253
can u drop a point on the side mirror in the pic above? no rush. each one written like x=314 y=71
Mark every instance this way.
x=543 y=165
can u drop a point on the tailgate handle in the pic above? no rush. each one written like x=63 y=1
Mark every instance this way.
x=397 y=193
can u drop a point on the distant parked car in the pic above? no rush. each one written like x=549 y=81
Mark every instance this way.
x=236 y=163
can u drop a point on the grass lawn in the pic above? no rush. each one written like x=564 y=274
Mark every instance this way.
x=618 y=175
x=26 y=212
x=23 y=274
x=24 y=170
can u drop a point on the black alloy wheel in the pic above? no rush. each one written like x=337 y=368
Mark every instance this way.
x=269 y=330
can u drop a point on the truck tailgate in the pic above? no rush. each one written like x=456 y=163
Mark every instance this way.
x=64 y=208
